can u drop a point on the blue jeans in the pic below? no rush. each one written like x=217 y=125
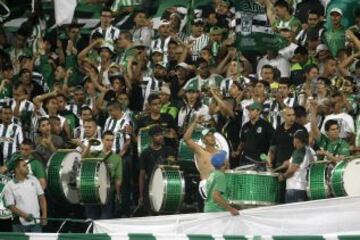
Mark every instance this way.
x=294 y=195
x=97 y=211
x=27 y=228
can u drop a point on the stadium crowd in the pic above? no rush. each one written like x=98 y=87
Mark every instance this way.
x=99 y=92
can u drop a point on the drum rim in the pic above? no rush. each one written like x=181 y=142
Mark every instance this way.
x=163 y=168
x=327 y=175
x=97 y=185
x=344 y=162
x=62 y=151
x=252 y=172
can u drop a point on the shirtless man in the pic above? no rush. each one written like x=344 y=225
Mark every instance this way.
x=202 y=154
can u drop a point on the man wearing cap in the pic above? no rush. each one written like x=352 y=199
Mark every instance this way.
x=198 y=38
x=153 y=156
x=106 y=53
x=193 y=106
x=164 y=38
x=296 y=168
x=255 y=136
x=216 y=186
x=334 y=37
x=202 y=154
x=166 y=105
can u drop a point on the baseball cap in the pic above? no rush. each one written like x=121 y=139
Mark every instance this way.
x=159 y=50
x=183 y=65
x=206 y=131
x=108 y=45
x=198 y=21
x=302 y=135
x=218 y=159
x=192 y=85
x=255 y=105
x=216 y=30
x=164 y=22
x=155 y=130
x=26 y=53
x=321 y=47
x=336 y=10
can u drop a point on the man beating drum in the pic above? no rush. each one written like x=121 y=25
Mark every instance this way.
x=202 y=154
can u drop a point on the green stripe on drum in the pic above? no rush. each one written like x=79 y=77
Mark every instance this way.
x=317 y=181
x=251 y=188
x=235 y=237
x=81 y=236
x=174 y=193
x=298 y=238
x=13 y=236
x=199 y=237
x=186 y=156
x=139 y=236
x=88 y=187
x=337 y=183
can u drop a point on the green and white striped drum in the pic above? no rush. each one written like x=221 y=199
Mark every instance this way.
x=61 y=171
x=5 y=213
x=186 y=156
x=93 y=181
x=318 y=181
x=167 y=189
x=344 y=179
x=143 y=139
x=251 y=188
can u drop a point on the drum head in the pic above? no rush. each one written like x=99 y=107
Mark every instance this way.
x=70 y=193
x=351 y=178
x=104 y=184
x=156 y=190
x=221 y=144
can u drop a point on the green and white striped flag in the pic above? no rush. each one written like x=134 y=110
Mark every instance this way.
x=117 y=4
x=253 y=30
x=79 y=236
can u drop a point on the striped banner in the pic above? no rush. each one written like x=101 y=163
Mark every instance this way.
x=115 y=236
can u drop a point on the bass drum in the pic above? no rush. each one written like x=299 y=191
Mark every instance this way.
x=61 y=171
x=186 y=158
x=166 y=189
x=318 y=181
x=345 y=178
x=251 y=188
x=93 y=181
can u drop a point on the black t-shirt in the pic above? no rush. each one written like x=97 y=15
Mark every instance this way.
x=283 y=141
x=136 y=98
x=165 y=120
x=150 y=159
x=256 y=139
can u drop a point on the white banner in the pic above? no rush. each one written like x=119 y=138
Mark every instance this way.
x=64 y=11
x=328 y=216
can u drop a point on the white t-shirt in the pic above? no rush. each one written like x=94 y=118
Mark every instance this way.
x=279 y=62
x=24 y=195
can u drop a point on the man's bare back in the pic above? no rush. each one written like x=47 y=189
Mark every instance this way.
x=203 y=161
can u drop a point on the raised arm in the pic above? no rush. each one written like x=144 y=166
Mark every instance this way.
x=188 y=137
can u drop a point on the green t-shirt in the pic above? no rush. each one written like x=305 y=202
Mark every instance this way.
x=298 y=156
x=114 y=163
x=334 y=39
x=215 y=182
x=337 y=147
x=37 y=169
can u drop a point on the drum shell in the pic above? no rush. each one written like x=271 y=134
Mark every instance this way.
x=252 y=188
x=173 y=190
x=318 y=181
x=337 y=184
x=88 y=182
x=186 y=155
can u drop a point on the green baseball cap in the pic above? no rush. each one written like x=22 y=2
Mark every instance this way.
x=26 y=53
x=255 y=105
x=191 y=86
x=216 y=30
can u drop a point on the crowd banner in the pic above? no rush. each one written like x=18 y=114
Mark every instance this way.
x=118 y=236
x=328 y=216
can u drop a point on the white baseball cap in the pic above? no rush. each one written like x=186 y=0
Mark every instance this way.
x=337 y=10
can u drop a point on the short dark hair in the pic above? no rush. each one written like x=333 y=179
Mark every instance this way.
x=308 y=68
x=300 y=111
x=114 y=104
x=301 y=50
x=28 y=142
x=106 y=9
x=126 y=34
x=41 y=120
x=268 y=66
x=282 y=3
x=153 y=97
x=314 y=12
x=330 y=123
x=106 y=133
x=85 y=108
